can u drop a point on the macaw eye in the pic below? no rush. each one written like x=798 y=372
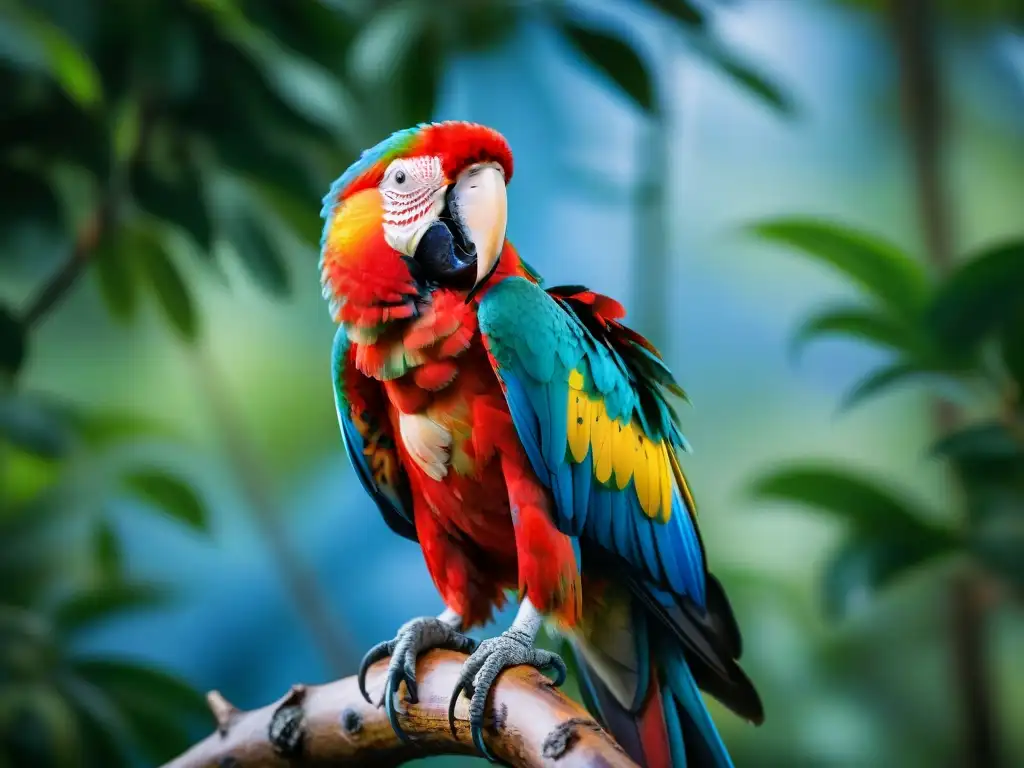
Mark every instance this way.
x=400 y=177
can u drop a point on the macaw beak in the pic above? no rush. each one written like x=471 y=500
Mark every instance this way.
x=479 y=204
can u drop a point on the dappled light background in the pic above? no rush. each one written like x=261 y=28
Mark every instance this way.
x=281 y=570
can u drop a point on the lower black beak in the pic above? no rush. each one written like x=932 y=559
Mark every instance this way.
x=443 y=259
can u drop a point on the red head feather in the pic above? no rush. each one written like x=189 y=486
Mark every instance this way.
x=368 y=282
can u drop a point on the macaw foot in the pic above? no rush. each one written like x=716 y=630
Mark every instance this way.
x=494 y=655
x=413 y=638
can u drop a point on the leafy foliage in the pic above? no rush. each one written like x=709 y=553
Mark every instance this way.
x=169 y=494
x=52 y=709
x=886 y=274
x=616 y=59
x=935 y=332
x=889 y=535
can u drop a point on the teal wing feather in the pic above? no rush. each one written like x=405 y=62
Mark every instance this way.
x=369 y=439
x=594 y=421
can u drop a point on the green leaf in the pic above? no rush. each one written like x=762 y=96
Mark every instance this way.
x=116 y=273
x=39 y=727
x=88 y=608
x=988 y=441
x=978 y=296
x=100 y=429
x=682 y=11
x=29 y=560
x=158 y=706
x=949 y=384
x=169 y=494
x=879 y=381
x=274 y=171
x=169 y=287
x=107 y=735
x=419 y=77
x=44 y=45
x=307 y=89
x=253 y=245
x=295 y=213
x=880 y=268
x=1011 y=345
x=616 y=59
x=864 y=565
x=744 y=75
x=12 y=343
x=35 y=425
x=855 y=498
x=126 y=132
x=107 y=553
x=857 y=323
x=999 y=545
x=176 y=196
x=989 y=460
x=384 y=42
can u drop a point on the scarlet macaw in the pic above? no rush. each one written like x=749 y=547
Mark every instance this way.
x=524 y=438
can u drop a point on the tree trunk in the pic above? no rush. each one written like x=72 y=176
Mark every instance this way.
x=914 y=31
x=313 y=606
x=652 y=261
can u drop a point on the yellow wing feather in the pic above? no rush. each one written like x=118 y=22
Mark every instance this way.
x=624 y=449
x=649 y=458
x=666 y=482
x=601 y=439
x=580 y=418
x=621 y=449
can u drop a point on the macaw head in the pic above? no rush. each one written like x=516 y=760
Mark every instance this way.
x=425 y=207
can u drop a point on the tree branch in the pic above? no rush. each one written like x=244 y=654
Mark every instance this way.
x=85 y=244
x=530 y=724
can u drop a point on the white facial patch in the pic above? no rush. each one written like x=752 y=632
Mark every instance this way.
x=412 y=193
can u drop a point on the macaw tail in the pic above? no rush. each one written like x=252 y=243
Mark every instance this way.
x=643 y=660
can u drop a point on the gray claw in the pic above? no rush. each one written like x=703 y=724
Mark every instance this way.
x=375 y=654
x=510 y=649
x=413 y=638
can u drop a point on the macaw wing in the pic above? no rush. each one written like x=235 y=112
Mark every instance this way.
x=369 y=438
x=586 y=396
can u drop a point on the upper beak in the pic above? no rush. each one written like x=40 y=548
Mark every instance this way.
x=481 y=205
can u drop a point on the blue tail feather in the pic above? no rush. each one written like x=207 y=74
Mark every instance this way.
x=691 y=730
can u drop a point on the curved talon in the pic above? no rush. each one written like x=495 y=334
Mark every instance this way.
x=375 y=654
x=561 y=671
x=482 y=669
x=478 y=741
x=413 y=638
x=459 y=688
x=392 y=712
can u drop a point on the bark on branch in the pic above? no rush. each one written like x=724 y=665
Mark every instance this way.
x=529 y=724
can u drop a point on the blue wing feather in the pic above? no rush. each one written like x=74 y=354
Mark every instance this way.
x=391 y=494
x=536 y=342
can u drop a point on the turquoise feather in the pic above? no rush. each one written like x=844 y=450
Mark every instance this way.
x=536 y=344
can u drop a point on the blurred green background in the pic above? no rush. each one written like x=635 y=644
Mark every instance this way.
x=176 y=511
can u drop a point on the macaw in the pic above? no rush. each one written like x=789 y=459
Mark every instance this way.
x=525 y=438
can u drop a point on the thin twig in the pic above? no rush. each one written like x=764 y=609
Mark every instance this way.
x=529 y=723
x=101 y=224
x=57 y=287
